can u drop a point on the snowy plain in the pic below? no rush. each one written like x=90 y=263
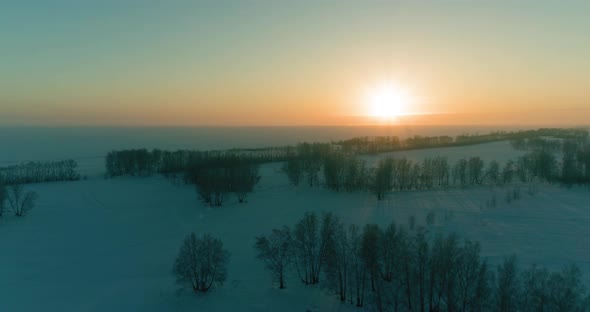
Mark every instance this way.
x=109 y=244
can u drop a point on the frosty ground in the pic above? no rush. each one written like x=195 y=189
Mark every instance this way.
x=109 y=244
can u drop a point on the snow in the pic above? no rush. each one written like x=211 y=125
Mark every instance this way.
x=109 y=244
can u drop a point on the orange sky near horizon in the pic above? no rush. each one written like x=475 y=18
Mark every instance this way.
x=308 y=63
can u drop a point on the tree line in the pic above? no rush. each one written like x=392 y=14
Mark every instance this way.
x=381 y=144
x=410 y=269
x=38 y=172
x=344 y=172
x=143 y=162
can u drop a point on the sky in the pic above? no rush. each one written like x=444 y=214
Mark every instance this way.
x=235 y=63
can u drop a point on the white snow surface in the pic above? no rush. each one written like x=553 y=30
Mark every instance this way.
x=110 y=244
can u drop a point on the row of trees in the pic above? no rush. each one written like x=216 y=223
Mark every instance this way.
x=380 y=144
x=19 y=200
x=37 y=172
x=143 y=162
x=345 y=172
x=399 y=269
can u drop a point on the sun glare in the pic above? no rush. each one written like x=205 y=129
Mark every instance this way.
x=388 y=101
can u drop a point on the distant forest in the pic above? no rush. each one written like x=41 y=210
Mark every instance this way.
x=552 y=156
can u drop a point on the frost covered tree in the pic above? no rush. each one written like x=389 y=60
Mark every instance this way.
x=20 y=201
x=201 y=263
x=275 y=250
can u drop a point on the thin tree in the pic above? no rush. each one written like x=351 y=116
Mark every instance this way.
x=275 y=250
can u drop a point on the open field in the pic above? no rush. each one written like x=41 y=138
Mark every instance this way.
x=109 y=244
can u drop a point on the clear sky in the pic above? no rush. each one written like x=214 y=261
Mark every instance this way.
x=275 y=62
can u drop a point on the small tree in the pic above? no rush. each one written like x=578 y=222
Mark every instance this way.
x=20 y=201
x=275 y=251
x=201 y=262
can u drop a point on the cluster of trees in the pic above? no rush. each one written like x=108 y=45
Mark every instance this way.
x=37 y=172
x=19 y=200
x=215 y=178
x=214 y=173
x=201 y=263
x=399 y=269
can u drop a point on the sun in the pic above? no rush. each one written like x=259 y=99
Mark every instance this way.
x=388 y=101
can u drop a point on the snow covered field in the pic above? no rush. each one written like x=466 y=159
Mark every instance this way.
x=109 y=245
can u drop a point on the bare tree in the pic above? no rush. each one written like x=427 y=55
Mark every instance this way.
x=310 y=243
x=275 y=251
x=566 y=291
x=20 y=201
x=535 y=295
x=3 y=195
x=305 y=245
x=338 y=261
x=201 y=263
x=358 y=269
x=507 y=286
x=472 y=279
